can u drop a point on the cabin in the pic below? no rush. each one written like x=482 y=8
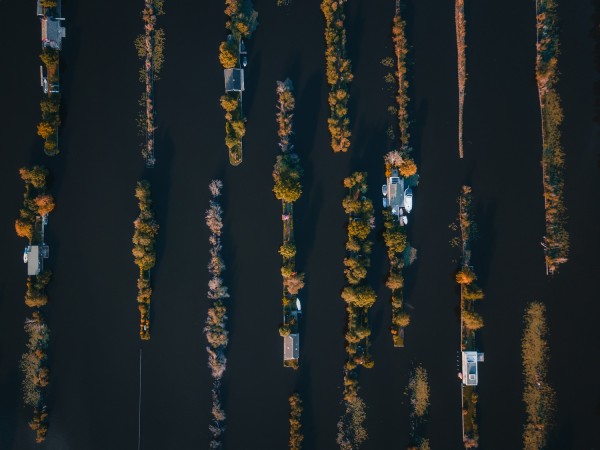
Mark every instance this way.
x=234 y=80
x=291 y=347
x=470 y=375
x=52 y=33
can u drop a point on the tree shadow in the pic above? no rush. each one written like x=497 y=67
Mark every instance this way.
x=303 y=387
x=160 y=179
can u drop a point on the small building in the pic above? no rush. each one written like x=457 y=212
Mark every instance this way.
x=395 y=193
x=52 y=33
x=32 y=258
x=291 y=347
x=234 y=80
x=470 y=375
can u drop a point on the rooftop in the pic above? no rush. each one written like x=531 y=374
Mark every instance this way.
x=52 y=33
x=234 y=80
x=291 y=346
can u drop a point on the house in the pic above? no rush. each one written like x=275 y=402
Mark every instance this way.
x=52 y=33
x=395 y=193
x=234 y=80
x=470 y=375
x=32 y=258
x=291 y=347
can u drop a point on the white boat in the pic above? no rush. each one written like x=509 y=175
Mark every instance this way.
x=298 y=305
x=408 y=199
x=403 y=220
x=384 y=189
x=25 y=257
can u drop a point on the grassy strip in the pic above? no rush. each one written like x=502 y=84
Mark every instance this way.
x=339 y=74
x=242 y=21
x=461 y=47
x=37 y=204
x=538 y=396
x=359 y=297
x=144 y=236
x=150 y=49
x=418 y=390
x=556 y=239
x=215 y=329
x=296 y=436
x=47 y=129
x=287 y=189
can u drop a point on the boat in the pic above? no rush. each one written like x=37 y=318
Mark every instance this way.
x=384 y=202
x=408 y=199
x=25 y=255
x=298 y=306
x=384 y=189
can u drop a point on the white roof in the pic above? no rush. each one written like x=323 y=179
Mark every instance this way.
x=291 y=346
x=234 y=80
x=33 y=260
x=470 y=374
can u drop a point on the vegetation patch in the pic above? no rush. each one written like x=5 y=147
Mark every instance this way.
x=470 y=320
x=296 y=436
x=418 y=391
x=241 y=23
x=216 y=320
x=556 y=239
x=287 y=189
x=461 y=50
x=150 y=48
x=47 y=129
x=359 y=297
x=339 y=73
x=538 y=396
x=37 y=204
x=144 y=236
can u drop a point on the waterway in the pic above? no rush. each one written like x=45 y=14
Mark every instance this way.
x=94 y=349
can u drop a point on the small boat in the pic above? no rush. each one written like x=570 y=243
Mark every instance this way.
x=403 y=220
x=408 y=199
x=385 y=202
x=245 y=61
x=298 y=305
x=25 y=257
x=384 y=189
x=242 y=47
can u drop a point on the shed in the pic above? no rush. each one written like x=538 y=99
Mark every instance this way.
x=234 y=80
x=291 y=346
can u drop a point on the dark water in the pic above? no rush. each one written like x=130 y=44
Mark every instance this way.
x=94 y=349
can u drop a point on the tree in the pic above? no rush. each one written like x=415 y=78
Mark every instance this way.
x=407 y=167
x=359 y=296
x=45 y=130
x=36 y=176
x=472 y=321
x=465 y=276
x=472 y=292
x=228 y=54
x=395 y=280
x=294 y=283
x=44 y=203
x=24 y=229
x=229 y=103
x=49 y=57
